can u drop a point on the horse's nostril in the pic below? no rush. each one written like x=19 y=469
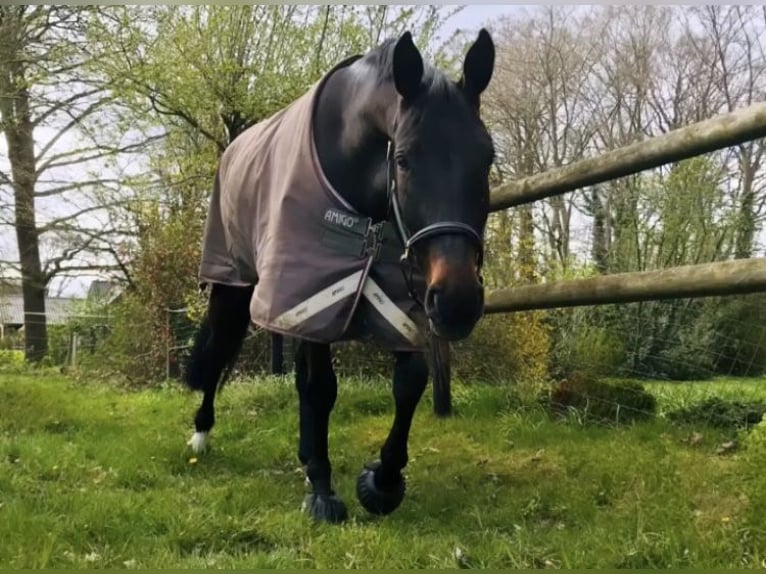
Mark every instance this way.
x=432 y=299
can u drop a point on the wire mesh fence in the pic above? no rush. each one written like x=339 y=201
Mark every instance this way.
x=696 y=362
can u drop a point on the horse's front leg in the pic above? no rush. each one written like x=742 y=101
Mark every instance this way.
x=317 y=390
x=380 y=486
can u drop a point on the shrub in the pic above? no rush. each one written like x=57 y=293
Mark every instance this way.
x=361 y=359
x=739 y=345
x=134 y=350
x=721 y=414
x=511 y=348
x=12 y=340
x=681 y=363
x=255 y=355
x=596 y=400
x=755 y=441
x=583 y=350
x=58 y=344
x=12 y=360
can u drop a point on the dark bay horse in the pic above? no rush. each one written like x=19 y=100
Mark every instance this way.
x=400 y=144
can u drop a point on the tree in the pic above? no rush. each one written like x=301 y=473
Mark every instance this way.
x=733 y=47
x=577 y=82
x=53 y=112
x=536 y=107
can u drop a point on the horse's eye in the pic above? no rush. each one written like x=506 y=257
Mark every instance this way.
x=402 y=163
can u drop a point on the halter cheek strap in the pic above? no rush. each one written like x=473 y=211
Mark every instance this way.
x=432 y=230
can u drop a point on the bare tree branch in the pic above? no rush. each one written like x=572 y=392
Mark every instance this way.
x=76 y=119
x=56 y=224
x=81 y=156
x=63 y=105
x=74 y=186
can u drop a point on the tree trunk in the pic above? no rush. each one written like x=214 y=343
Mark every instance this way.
x=32 y=280
x=19 y=134
x=526 y=252
x=599 y=247
x=746 y=224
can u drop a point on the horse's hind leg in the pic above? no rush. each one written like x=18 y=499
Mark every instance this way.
x=380 y=486
x=214 y=352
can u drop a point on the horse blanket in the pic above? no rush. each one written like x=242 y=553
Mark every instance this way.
x=321 y=271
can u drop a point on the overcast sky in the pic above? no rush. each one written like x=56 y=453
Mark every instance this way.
x=476 y=15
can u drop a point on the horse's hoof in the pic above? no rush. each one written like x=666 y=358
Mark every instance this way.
x=198 y=442
x=325 y=508
x=376 y=500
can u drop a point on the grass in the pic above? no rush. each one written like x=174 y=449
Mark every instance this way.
x=674 y=395
x=98 y=477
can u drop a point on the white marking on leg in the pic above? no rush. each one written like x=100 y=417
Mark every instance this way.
x=198 y=441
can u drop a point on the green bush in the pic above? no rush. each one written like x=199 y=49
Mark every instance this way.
x=505 y=348
x=255 y=355
x=58 y=344
x=134 y=348
x=599 y=401
x=681 y=362
x=12 y=360
x=362 y=359
x=755 y=441
x=586 y=350
x=12 y=340
x=721 y=414
x=739 y=332
x=501 y=349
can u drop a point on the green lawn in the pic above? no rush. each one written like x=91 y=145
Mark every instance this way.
x=676 y=394
x=95 y=477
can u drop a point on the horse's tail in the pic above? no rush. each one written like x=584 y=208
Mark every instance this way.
x=196 y=367
x=214 y=352
x=218 y=340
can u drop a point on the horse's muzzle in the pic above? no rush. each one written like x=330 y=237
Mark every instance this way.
x=454 y=306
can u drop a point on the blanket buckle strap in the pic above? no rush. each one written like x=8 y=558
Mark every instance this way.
x=373 y=239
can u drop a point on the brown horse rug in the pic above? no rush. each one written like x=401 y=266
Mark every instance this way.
x=321 y=271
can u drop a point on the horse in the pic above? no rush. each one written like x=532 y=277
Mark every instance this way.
x=359 y=208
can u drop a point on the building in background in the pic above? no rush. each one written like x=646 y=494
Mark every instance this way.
x=58 y=310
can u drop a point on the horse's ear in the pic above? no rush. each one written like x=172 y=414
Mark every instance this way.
x=408 y=67
x=478 y=66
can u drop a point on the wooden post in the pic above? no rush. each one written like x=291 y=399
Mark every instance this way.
x=277 y=355
x=716 y=133
x=440 y=368
x=167 y=344
x=75 y=347
x=736 y=277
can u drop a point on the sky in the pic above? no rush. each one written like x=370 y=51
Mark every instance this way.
x=476 y=15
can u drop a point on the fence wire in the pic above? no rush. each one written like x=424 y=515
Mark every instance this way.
x=697 y=362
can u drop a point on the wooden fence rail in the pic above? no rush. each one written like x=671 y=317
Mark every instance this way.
x=737 y=277
x=719 y=132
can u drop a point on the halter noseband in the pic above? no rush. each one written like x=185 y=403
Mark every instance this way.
x=435 y=229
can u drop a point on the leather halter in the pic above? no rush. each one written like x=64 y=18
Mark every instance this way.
x=432 y=230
